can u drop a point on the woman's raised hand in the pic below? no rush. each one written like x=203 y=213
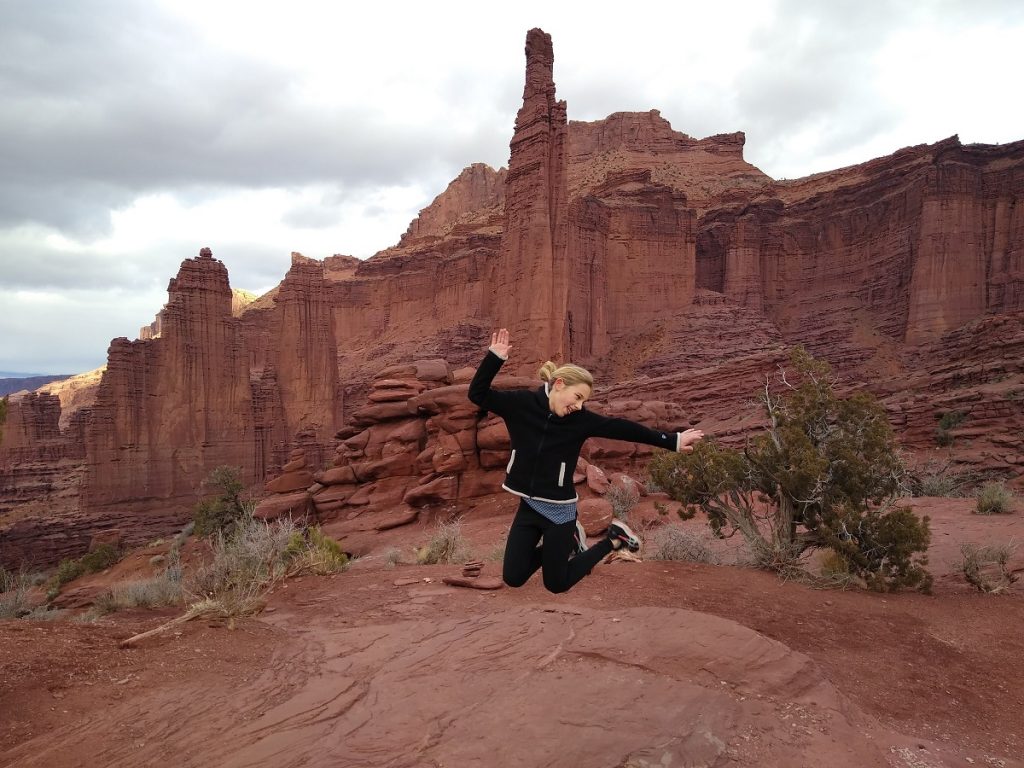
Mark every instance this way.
x=499 y=343
x=688 y=438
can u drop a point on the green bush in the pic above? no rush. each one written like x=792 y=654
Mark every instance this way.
x=315 y=552
x=222 y=512
x=824 y=473
x=994 y=498
x=101 y=558
x=948 y=421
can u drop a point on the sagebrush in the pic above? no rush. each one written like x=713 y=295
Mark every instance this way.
x=986 y=567
x=673 y=542
x=994 y=498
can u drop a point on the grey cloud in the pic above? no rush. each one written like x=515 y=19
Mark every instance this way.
x=30 y=264
x=312 y=216
x=115 y=98
x=811 y=76
x=102 y=297
x=813 y=66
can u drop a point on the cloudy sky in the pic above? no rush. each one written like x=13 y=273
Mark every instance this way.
x=134 y=133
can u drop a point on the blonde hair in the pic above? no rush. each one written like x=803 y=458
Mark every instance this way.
x=569 y=373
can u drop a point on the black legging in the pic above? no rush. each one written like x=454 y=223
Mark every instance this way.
x=523 y=557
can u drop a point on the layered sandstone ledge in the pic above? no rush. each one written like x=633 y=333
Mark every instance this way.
x=419 y=442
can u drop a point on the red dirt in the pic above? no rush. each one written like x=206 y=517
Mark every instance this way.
x=945 y=670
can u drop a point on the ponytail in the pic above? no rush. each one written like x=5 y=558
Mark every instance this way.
x=569 y=373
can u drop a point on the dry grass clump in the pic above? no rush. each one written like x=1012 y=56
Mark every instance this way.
x=392 y=557
x=245 y=564
x=447 y=545
x=622 y=498
x=835 y=570
x=14 y=589
x=994 y=498
x=936 y=478
x=155 y=592
x=987 y=567
x=312 y=551
x=673 y=542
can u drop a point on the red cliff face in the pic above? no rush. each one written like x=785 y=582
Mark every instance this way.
x=171 y=408
x=908 y=247
x=667 y=264
x=471 y=201
x=306 y=352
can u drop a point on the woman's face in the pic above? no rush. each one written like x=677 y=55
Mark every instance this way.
x=564 y=399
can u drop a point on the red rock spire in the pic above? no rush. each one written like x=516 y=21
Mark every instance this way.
x=531 y=283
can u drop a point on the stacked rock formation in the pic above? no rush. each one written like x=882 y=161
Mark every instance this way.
x=419 y=442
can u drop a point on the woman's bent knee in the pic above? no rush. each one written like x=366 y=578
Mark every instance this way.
x=515 y=579
x=557 y=586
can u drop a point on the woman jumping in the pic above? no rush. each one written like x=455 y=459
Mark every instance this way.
x=547 y=427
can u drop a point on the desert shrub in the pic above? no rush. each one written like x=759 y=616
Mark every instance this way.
x=948 y=421
x=447 y=545
x=987 y=567
x=994 y=498
x=154 y=592
x=182 y=536
x=835 y=570
x=935 y=478
x=101 y=558
x=223 y=511
x=622 y=498
x=313 y=551
x=825 y=473
x=14 y=588
x=673 y=542
x=67 y=570
x=244 y=565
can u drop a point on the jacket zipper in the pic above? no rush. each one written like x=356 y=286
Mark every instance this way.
x=540 y=452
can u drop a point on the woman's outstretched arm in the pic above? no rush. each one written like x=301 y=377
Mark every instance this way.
x=624 y=429
x=480 y=391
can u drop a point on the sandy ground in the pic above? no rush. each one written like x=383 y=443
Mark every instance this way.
x=452 y=674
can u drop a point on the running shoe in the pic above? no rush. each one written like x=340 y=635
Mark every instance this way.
x=618 y=531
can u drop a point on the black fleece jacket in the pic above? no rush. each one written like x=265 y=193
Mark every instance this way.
x=545 y=447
